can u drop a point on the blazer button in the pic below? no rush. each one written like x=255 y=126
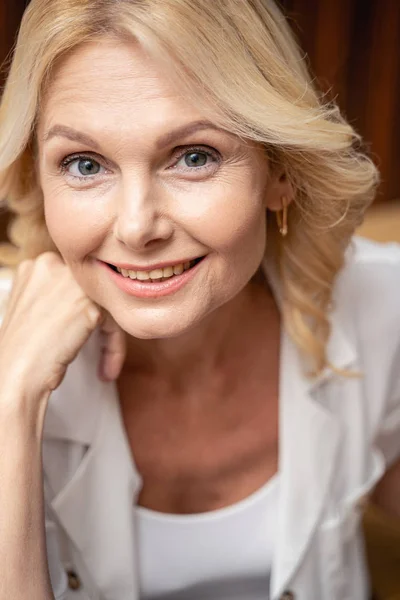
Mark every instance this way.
x=288 y=595
x=74 y=583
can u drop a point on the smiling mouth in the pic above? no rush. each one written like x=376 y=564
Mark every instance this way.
x=157 y=275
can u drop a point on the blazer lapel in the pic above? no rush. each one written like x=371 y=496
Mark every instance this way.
x=309 y=441
x=95 y=508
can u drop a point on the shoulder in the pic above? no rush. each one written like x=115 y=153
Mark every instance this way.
x=369 y=283
x=366 y=311
x=366 y=308
x=371 y=258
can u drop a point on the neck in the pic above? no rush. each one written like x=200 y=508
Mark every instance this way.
x=196 y=354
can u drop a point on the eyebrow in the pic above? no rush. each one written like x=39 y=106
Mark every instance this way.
x=70 y=134
x=183 y=131
x=165 y=140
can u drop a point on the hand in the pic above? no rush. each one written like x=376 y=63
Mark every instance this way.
x=48 y=320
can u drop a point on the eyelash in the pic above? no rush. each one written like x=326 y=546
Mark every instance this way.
x=68 y=160
x=211 y=152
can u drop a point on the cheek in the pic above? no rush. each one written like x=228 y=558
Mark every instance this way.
x=229 y=219
x=77 y=224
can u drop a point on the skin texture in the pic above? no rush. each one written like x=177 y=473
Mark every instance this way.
x=202 y=364
x=146 y=206
x=34 y=354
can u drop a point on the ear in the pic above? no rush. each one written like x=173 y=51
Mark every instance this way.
x=278 y=187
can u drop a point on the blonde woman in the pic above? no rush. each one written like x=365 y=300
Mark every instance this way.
x=198 y=365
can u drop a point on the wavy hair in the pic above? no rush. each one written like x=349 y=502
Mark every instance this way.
x=239 y=62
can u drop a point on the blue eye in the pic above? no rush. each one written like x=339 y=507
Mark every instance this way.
x=88 y=167
x=196 y=159
x=81 y=166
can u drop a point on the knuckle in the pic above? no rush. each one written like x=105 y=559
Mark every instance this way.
x=47 y=263
x=94 y=315
x=48 y=259
x=24 y=267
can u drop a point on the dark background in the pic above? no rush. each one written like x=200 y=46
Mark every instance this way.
x=353 y=47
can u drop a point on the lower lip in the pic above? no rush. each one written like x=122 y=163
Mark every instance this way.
x=142 y=289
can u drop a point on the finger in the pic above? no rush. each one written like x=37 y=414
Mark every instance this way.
x=113 y=350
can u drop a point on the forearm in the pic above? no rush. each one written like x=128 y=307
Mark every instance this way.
x=23 y=560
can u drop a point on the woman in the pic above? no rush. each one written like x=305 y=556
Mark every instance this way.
x=215 y=389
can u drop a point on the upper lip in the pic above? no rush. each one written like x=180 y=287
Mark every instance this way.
x=153 y=267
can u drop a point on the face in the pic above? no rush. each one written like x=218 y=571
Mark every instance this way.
x=159 y=214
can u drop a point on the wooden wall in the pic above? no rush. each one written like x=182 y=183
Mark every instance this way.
x=354 y=50
x=353 y=47
x=10 y=15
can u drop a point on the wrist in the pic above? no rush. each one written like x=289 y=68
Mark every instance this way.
x=21 y=406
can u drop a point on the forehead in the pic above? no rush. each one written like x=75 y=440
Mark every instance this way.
x=116 y=80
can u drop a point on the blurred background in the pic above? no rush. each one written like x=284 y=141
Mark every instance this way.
x=353 y=49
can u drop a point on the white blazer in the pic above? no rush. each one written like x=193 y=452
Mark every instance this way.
x=337 y=435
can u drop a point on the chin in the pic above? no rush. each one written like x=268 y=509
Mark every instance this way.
x=153 y=328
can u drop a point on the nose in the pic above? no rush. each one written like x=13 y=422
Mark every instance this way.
x=140 y=219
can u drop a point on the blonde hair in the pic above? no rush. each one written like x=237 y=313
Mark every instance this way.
x=238 y=60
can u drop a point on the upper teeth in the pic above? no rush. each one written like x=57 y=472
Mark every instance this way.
x=156 y=273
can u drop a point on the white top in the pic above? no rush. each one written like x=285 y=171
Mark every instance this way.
x=224 y=554
x=337 y=437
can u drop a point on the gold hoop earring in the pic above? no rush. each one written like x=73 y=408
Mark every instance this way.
x=281 y=218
